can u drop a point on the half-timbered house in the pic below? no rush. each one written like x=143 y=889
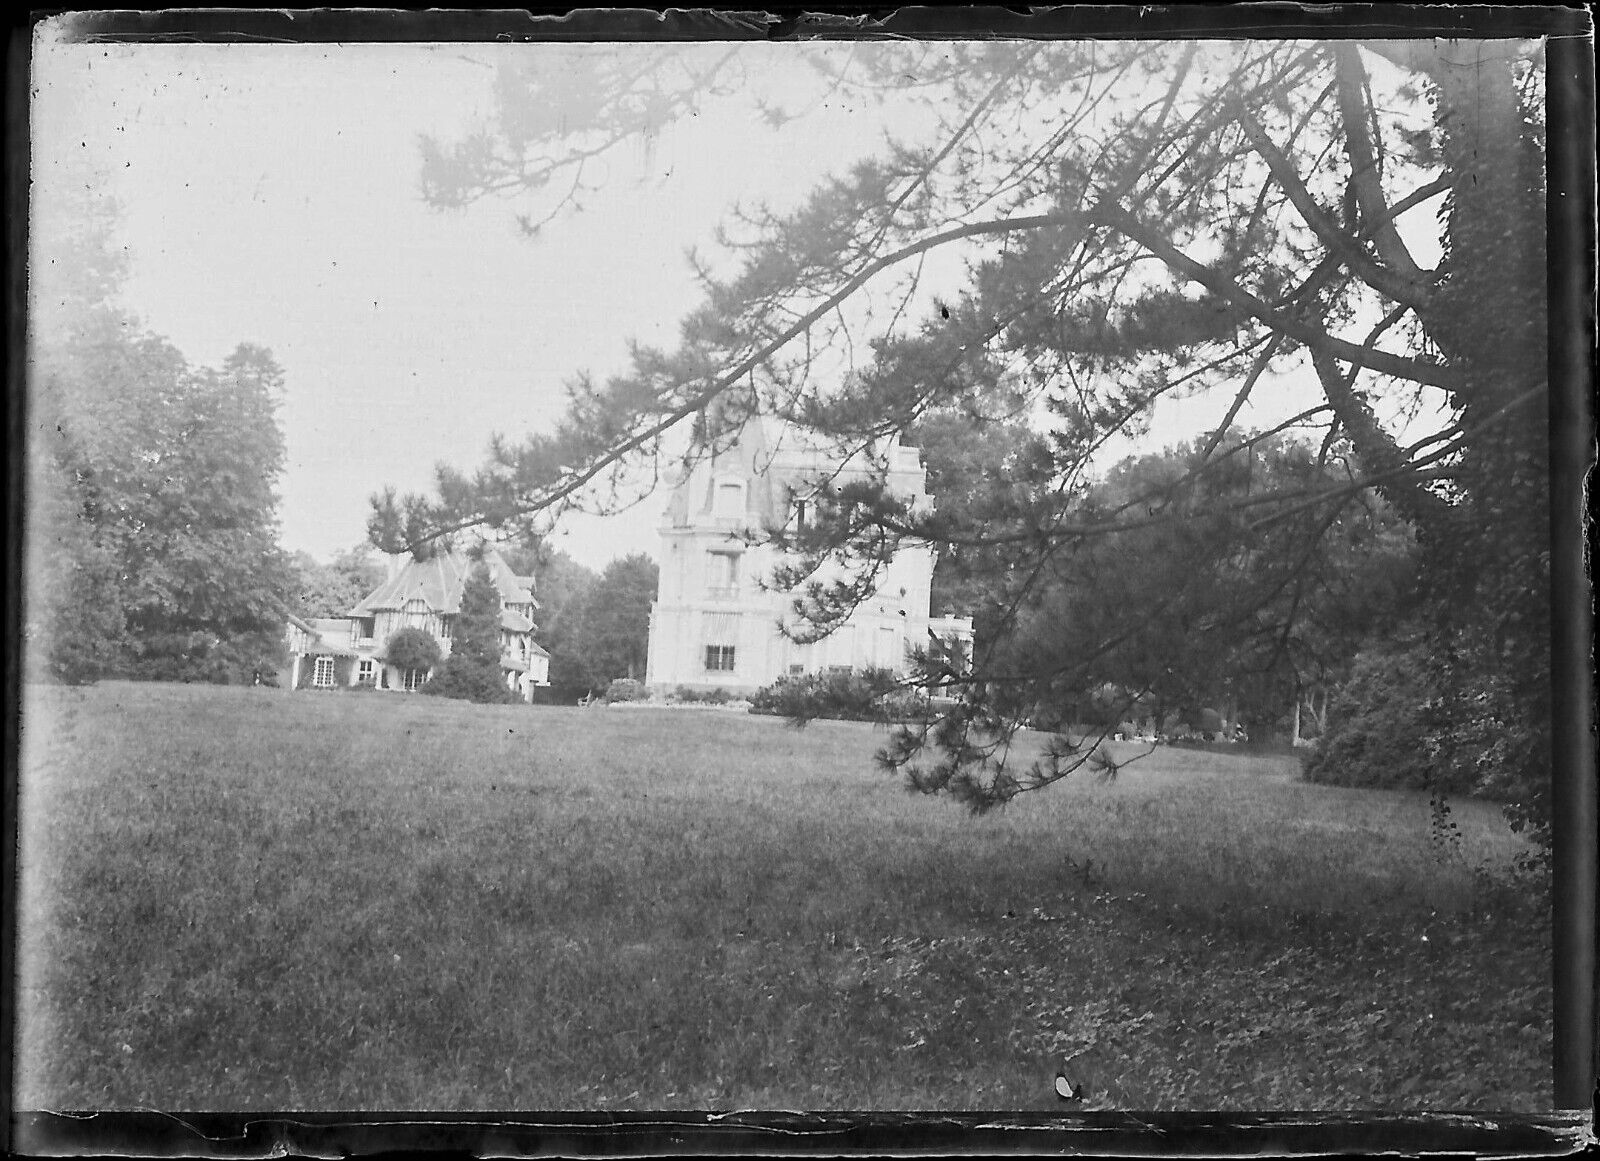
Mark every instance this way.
x=329 y=653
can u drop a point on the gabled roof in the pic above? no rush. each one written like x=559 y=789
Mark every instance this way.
x=519 y=666
x=315 y=628
x=438 y=582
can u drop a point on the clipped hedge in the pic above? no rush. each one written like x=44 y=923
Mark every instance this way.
x=856 y=695
x=627 y=689
x=690 y=696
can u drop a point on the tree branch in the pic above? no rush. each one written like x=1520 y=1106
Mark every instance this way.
x=1415 y=370
x=1413 y=292
x=716 y=386
x=1365 y=178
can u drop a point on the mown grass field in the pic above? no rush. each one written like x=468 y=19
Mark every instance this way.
x=248 y=899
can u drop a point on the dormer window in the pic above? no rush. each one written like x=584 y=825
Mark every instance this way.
x=727 y=501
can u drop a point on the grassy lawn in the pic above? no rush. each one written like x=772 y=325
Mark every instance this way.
x=249 y=899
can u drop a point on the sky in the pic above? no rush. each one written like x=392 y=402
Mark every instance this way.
x=270 y=194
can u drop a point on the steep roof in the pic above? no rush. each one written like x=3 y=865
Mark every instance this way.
x=438 y=582
x=779 y=460
x=314 y=630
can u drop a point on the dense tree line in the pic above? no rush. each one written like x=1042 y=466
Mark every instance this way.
x=595 y=626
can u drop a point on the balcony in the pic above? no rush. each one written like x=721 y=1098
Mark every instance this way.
x=723 y=592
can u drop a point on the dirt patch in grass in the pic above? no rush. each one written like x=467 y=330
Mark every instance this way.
x=251 y=899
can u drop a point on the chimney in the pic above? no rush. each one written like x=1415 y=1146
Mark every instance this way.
x=392 y=563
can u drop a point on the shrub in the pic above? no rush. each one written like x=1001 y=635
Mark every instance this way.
x=1379 y=727
x=691 y=696
x=470 y=681
x=847 y=696
x=412 y=649
x=905 y=705
x=627 y=689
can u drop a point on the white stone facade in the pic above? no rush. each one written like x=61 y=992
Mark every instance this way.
x=714 y=624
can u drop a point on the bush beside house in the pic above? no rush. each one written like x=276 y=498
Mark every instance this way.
x=472 y=671
x=412 y=649
x=855 y=695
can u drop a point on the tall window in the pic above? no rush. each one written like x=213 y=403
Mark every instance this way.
x=719 y=658
x=890 y=654
x=366 y=672
x=414 y=679
x=322 y=675
x=722 y=579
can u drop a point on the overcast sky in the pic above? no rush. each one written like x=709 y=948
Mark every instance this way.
x=270 y=194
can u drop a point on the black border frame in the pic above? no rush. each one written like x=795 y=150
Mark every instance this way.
x=1572 y=232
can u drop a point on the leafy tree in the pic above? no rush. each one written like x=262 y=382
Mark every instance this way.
x=472 y=670
x=155 y=541
x=333 y=589
x=615 y=631
x=412 y=648
x=1141 y=221
x=208 y=578
x=1217 y=610
x=600 y=629
x=75 y=624
x=1382 y=730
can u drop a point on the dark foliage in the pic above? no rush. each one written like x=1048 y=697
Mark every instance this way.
x=627 y=689
x=333 y=589
x=1380 y=729
x=472 y=670
x=162 y=503
x=691 y=696
x=412 y=648
x=854 y=695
